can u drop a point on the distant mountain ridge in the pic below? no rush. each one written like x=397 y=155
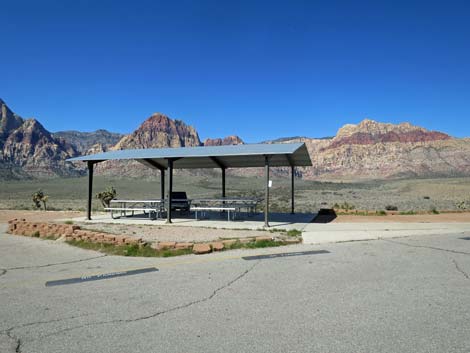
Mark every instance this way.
x=368 y=150
x=374 y=150
x=84 y=141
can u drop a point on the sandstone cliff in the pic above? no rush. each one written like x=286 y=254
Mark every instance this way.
x=28 y=149
x=228 y=140
x=373 y=150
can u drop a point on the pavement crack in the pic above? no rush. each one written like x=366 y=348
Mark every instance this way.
x=9 y=331
x=53 y=264
x=184 y=306
x=158 y=313
x=457 y=266
x=16 y=339
x=426 y=247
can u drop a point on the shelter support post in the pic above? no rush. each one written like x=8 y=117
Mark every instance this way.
x=170 y=189
x=90 y=189
x=223 y=182
x=266 y=197
x=292 y=172
x=162 y=184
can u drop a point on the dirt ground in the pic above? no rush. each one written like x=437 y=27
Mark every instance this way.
x=38 y=216
x=152 y=233
x=185 y=234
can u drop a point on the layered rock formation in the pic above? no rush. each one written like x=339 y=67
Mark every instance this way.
x=85 y=141
x=27 y=149
x=368 y=150
x=228 y=140
x=373 y=150
x=160 y=131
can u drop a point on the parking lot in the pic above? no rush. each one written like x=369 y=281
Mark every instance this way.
x=395 y=295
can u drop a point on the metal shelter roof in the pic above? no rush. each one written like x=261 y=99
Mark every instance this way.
x=232 y=156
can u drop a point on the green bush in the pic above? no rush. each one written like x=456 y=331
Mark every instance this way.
x=294 y=233
x=38 y=198
x=106 y=196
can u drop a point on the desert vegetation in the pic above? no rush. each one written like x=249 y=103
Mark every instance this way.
x=404 y=196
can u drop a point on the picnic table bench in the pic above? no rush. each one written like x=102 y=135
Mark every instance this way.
x=153 y=207
x=202 y=209
x=231 y=205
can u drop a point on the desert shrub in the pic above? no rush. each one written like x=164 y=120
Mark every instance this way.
x=462 y=205
x=294 y=233
x=106 y=196
x=381 y=213
x=38 y=198
x=434 y=210
x=427 y=198
x=391 y=208
x=344 y=206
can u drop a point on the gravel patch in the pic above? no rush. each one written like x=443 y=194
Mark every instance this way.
x=152 y=233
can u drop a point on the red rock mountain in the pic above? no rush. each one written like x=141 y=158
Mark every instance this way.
x=28 y=149
x=370 y=132
x=368 y=150
x=229 y=140
x=373 y=150
x=160 y=131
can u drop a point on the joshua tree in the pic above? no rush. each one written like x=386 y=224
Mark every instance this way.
x=38 y=198
x=106 y=196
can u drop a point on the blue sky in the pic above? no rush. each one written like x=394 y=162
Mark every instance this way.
x=258 y=69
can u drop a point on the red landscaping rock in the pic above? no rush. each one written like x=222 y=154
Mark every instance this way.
x=201 y=249
x=132 y=240
x=184 y=246
x=229 y=242
x=119 y=240
x=263 y=238
x=166 y=245
x=217 y=246
x=246 y=240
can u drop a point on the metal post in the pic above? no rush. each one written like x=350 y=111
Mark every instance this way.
x=170 y=189
x=90 y=189
x=292 y=171
x=223 y=182
x=162 y=184
x=266 y=197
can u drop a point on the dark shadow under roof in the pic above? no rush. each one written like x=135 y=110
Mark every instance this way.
x=233 y=156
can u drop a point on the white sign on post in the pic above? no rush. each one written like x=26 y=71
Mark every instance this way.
x=270 y=183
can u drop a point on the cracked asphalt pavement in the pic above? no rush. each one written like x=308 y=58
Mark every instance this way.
x=396 y=295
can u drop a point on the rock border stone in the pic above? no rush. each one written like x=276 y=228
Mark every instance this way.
x=74 y=232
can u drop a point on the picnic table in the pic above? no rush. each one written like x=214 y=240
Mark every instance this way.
x=123 y=207
x=231 y=205
x=156 y=207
